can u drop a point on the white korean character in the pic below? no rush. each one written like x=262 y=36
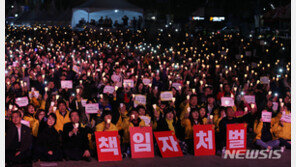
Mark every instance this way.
x=111 y=147
x=203 y=139
x=236 y=138
x=167 y=146
x=139 y=138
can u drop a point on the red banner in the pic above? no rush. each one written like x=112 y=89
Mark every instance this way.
x=204 y=140
x=141 y=142
x=168 y=144
x=108 y=146
x=236 y=137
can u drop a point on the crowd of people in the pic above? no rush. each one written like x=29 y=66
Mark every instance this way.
x=199 y=69
x=108 y=22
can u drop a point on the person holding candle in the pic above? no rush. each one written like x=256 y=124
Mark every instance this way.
x=75 y=139
x=106 y=125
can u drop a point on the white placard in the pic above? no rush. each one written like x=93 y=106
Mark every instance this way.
x=22 y=101
x=266 y=116
x=227 y=102
x=92 y=108
x=76 y=68
x=250 y=99
x=177 y=85
x=264 y=80
x=66 y=84
x=116 y=78
x=108 y=89
x=275 y=106
x=24 y=122
x=146 y=119
x=139 y=99
x=166 y=96
x=286 y=117
x=128 y=83
x=146 y=81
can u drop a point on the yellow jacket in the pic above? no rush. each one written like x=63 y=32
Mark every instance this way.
x=101 y=127
x=61 y=120
x=34 y=124
x=126 y=124
x=258 y=129
x=283 y=131
x=216 y=119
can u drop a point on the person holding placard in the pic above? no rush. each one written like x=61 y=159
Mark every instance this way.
x=132 y=121
x=29 y=115
x=283 y=128
x=229 y=119
x=188 y=123
x=143 y=115
x=265 y=134
x=106 y=125
x=75 y=140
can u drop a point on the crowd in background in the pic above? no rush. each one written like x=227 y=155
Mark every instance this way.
x=204 y=66
x=108 y=22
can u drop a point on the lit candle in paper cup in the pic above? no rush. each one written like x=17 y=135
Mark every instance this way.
x=133 y=95
x=54 y=109
x=173 y=99
x=188 y=97
x=133 y=116
x=76 y=125
x=201 y=82
x=221 y=85
x=108 y=121
x=270 y=92
x=193 y=91
x=211 y=116
x=121 y=105
x=46 y=89
x=80 y=82
x=116 y=87
x=154 y=106
x=150 y=85
x=57 y=97
x=252 y=106
x=280 y=100
x=10 y=107
x=101 y=96
x=235 y=89
x=282 y=104
x=246 y=109
x=188 y=82
x=188 y=109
